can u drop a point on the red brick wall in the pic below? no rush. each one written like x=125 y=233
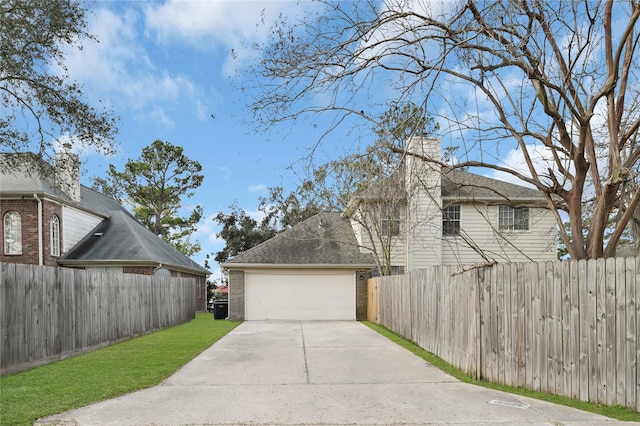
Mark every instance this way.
x=140 y=270
x=28 y=210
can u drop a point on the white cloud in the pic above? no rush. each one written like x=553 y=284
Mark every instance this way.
x=542 y=161
x=202 y=111
x=257 y=215
x=226 y=22
x=207 y=232
x=231 y=25
x=160 y=116
x=261 y=187
x=119 y=69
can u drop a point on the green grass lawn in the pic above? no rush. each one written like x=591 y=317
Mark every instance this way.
x=616 y=412
x=106 y=373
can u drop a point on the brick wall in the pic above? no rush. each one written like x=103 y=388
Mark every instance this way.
x=236 y=295
x=361 y=295
x=28 y=210
x=141 y=270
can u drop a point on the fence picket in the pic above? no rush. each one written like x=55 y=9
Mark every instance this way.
x=610 y=281
x=621 y=333
x=584 y=324
x=48 y=312
x=565 y=327
x=590 y=319
x=631 y=334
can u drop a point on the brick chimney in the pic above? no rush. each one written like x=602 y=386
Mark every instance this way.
x=424 y=203
x=67 y=174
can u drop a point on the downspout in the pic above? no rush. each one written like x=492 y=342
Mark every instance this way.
x=40 y=254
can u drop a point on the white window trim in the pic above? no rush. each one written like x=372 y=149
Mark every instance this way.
x=12 y=223
x=54 y=235
x=459 y=220
x=390 y=222
x=512 y=220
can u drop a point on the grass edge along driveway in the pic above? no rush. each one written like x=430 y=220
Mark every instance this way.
x=147 y=360
x=615 y=412
x=122 y=368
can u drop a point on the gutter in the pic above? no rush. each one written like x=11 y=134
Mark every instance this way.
x=122 y=262
x=40 y=245
x=232 y=266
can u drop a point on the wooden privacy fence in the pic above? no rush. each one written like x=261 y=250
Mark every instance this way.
x=47 y=313
x=567 y=327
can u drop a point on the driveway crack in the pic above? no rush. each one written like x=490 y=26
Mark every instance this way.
x=304 y=352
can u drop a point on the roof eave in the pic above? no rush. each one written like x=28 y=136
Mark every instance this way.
x=497 y=200
x=119 y=262
x=49 y=197
x=231 y=266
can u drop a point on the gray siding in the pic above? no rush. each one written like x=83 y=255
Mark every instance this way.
x=479 y=226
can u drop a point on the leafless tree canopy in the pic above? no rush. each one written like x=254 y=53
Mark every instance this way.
x=556 y=80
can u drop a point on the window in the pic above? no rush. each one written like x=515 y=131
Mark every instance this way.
x=390 y=223
x=54 y=235
x=451 y=220
x=513 y=219
x=12 y=233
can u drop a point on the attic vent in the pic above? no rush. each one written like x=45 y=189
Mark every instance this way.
x=98 y=235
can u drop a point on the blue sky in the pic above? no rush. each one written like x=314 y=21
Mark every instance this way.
x=168 y=72
x=171 y=71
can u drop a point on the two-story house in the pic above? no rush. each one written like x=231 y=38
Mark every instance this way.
x=420 y=216
x=49 y=218
x=424 y=215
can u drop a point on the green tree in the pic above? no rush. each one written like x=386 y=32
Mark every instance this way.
x=240 y=232
x=154 y=186
x=38 y=104
x=530 y=75
x=285 y=211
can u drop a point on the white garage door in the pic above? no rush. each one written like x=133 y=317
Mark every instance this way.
x=318 y=295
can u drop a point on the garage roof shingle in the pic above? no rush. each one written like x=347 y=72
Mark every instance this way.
x=326 y=239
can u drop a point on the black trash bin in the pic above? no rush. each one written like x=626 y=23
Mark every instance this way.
x=220 y=309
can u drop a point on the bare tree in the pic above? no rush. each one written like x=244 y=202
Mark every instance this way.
x=539 y=77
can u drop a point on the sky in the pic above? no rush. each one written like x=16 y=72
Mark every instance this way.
x=170 y=71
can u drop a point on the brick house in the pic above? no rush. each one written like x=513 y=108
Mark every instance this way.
x=49 y=218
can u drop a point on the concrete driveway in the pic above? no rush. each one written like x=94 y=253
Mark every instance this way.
x=317 y=373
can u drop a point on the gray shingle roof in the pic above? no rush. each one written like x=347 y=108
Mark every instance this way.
x=465 y=186
x=121 y=238
x=325 y=239
x=22 y=173
x=458 y=185
x=124 y=239
x=99 y=203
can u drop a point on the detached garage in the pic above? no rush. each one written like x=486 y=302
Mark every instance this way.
x=313 y=271
x=300 y=295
